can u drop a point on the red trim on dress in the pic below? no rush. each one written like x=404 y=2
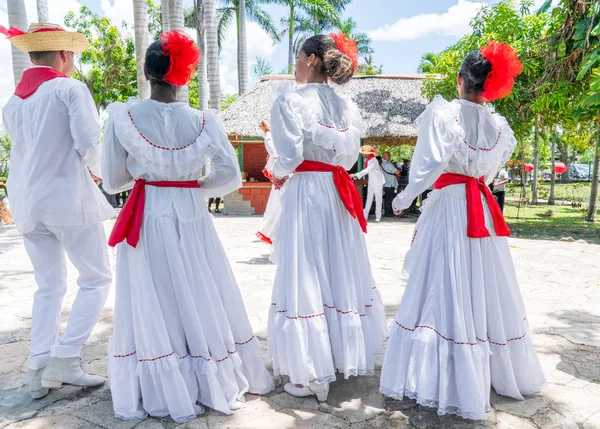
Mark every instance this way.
x=331 y=127
x=485 y=149
x=459 y=342
x=167 y=148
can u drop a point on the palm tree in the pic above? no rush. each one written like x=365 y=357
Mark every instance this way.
x=316 y=9
x=140 y=24
x=17 y=17
x=176 y=22
x=429 y=61
x=262 y=67
x=363 y=41
x=198 y=23
x=42 y=10
x=321 y=22
x=165 y=17
x=212 y=53
x=242 y=54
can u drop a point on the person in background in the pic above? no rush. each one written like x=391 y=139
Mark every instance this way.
x=55 y=166
x=217 y=202
x=403 y=182
x=500 y=182
x=379 y=160
x=390 y=183
x=376 y=179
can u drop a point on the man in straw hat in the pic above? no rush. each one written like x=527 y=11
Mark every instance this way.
x=57 y=207
x=376 y=180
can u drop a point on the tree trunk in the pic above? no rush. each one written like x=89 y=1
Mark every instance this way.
x=42 y=10
x=140 y=23
x=212 y=53
x=553 y=181
x=536 y=164
x=523 y=172
x=17 y=17
x=291 y=41
x=242 y=49
x=316 y=24
x=165 y=16
x=176 y=22
x=201 y=36
x=593 y=208
x=563 y=148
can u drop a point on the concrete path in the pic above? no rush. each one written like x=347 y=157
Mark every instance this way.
x=560 y=283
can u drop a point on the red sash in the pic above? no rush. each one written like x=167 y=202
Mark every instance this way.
x=33 y=78
x=475 y=214
x=344 y=185
x=129 y=223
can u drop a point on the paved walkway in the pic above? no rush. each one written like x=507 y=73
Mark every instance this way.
x=560 y=283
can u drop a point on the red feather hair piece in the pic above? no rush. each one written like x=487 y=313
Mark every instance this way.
x=346 y=46
x=505 y=68
x=184 y=57
x=11 y=32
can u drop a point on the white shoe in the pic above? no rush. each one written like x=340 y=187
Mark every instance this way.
x=68 y=371
x=35 y=384
x=321 y=390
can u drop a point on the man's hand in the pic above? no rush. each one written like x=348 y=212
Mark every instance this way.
x=264 y=126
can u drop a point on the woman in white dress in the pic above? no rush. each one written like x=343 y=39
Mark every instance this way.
x=326 y=314
x=376 y=181
x=273 y=210
x=461 y=327
x=181 y=336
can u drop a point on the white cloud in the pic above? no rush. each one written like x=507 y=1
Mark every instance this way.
x=118 y=11
x=453 y=22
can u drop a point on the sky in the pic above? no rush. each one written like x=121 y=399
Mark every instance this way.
x=401 y=30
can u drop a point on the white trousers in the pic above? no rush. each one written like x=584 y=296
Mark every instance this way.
x=86 y=248
x=376 y=192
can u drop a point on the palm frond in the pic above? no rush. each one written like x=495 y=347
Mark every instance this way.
x=225 y=18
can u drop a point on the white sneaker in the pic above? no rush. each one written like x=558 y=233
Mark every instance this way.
x=35 y=384
x=68 y=371
x=321 y=390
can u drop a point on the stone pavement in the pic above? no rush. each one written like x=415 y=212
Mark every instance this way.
x=560 y=283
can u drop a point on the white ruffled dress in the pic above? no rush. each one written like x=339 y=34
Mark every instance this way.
x=326 y=313
x=272 y=213
x=181 y=336
x=461 y=327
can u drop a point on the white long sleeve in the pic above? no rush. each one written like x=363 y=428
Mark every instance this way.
x=269 y=145
x=432 y=154
x=114 y=162
x=288 y=135
x=370 y=168
x=85 y=126
x=223 y=174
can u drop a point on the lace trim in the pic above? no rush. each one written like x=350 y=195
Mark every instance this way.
x=435 y=404
x=467 y=343
x=207 y=359
x=167 y=148
x=485 y=149
x=330 y=307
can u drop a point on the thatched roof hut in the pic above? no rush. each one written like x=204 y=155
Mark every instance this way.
x=389 y=106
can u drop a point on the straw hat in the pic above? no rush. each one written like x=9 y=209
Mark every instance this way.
x=47 y=37
x=368 y=150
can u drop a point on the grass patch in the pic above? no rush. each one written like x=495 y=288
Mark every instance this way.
x=572 y=192
x=553 y=223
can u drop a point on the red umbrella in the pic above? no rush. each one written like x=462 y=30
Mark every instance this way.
x=560 y=167
x=529 y=167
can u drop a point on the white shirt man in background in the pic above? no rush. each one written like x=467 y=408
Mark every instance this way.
x=55 y=168
x=376 y=179
x=390 y=184
x=500 y=182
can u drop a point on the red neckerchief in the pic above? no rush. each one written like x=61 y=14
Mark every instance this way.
x=368 y=159
x=33 y=78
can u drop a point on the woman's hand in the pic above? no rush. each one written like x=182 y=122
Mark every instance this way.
x=264 y=126
x=279 y=182
x=398 y=212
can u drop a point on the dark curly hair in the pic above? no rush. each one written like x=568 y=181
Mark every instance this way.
x=335 y=64
x=474 y=71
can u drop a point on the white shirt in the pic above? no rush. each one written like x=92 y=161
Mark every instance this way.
x=373 y=169
x=456 y=137
x=314 y=123
x=500 y=177
x=55 y=137
x=139 y=142
x=388 y=169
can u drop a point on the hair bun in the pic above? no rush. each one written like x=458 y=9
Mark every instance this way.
x=339 y=67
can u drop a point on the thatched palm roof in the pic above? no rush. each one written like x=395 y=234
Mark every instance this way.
x=389 y=106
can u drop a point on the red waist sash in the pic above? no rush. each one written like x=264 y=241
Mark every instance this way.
x=344 y=185
x=129 y=223
x=475 y=214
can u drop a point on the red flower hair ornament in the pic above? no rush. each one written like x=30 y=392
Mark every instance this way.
x=505 y=68
x=346 y=46
x=183 y=55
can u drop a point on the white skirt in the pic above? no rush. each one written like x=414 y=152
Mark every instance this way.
x=461 y=326
x=181 y=335
x=327 y=314
x=271 y=217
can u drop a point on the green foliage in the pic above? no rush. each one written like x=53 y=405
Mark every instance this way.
x=154 y=20
x=226 y=99
x=262 y=67
x=368 y=69
x=108 y=65
x=5 y=147
x=363 y=41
